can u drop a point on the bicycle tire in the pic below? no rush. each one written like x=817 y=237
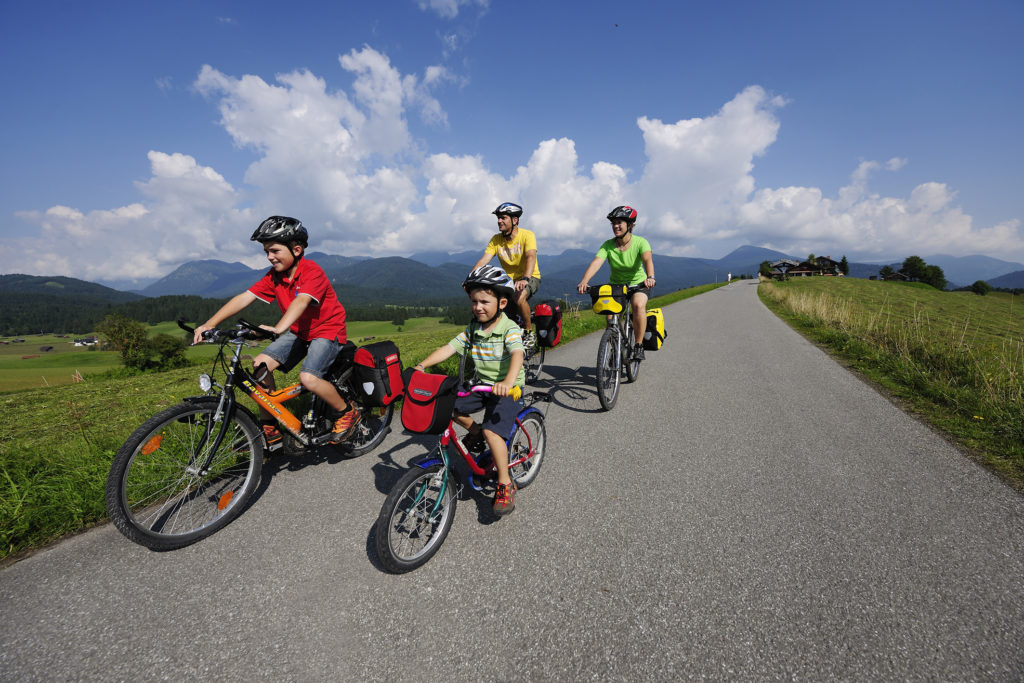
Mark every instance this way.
x=631 y=367
x=370 y=432
x=607 y=370
x=154 y=495
x=408 y=531
x=533 y=364
x=529 y=435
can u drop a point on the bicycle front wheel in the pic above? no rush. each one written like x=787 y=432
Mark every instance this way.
x=533 y=364
x=169 y=487
x=608 y=368
x=526 y=450
x=415 y=519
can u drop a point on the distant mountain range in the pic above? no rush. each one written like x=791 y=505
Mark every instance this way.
x=438 y=275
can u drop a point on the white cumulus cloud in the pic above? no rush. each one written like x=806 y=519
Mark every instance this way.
x=346 y=164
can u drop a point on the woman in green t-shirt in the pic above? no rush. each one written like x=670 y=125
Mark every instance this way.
x=629 y=257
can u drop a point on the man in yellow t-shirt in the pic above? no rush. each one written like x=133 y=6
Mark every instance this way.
x=516 y=249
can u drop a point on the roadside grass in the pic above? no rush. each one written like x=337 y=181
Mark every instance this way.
x=57 y=443
x=954 y=358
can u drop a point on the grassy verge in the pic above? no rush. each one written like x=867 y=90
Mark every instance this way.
x=56 y=443
x=954 y=358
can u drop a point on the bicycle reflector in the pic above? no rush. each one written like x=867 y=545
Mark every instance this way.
x=205 y=382
x=152 y=444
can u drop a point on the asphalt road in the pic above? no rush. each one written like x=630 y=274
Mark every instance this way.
x=748 y=511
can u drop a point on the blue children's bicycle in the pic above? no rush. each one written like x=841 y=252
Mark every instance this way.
x=419 y=510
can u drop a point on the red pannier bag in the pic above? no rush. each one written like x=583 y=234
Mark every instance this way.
x=547 y=320
x=378 y=371
x=429 y=401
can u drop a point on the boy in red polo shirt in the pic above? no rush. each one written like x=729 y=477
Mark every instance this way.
x=312 y=324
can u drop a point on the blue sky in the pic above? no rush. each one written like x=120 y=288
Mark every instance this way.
x=138 y=136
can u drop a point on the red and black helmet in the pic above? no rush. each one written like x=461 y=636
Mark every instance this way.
x=623 y=213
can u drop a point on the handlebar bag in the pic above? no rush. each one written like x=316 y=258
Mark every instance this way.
x=654 y=334
x=378 y=372
x=547 y=320
x=609 y=299
x=429 y=401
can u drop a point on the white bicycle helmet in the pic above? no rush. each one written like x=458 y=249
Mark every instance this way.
x=493 y=278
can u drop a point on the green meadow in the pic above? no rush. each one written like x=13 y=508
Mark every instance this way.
x=956 y=359
x=57 y=442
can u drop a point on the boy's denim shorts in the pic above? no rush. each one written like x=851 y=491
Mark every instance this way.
x=499 y=411
x=288 y=350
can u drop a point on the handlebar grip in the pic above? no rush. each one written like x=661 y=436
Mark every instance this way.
x=515 y=393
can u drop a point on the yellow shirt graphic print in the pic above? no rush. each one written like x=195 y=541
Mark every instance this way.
x=512 y=254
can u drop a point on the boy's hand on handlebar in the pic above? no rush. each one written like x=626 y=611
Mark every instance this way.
x=502 y=389
x=198 y=336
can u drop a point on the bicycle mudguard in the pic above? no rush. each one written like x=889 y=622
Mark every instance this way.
x=428 y=460
x=520 y=416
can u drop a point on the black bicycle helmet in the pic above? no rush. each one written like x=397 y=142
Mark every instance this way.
x=491 y=277
x=508 y=209
x=281 y=229
x=623 y=213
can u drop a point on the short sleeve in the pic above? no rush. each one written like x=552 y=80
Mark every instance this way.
x=492 y=247
x=514 y=339
x=529 y=241
x=460 y=343
x=314 y=283
x=264 y=289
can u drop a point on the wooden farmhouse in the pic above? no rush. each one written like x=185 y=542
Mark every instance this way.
x=821 y=265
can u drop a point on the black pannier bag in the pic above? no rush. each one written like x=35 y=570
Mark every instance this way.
x=429 y=401
x=547 y=320
x=378 y=373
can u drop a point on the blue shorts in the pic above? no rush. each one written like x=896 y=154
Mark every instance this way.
x=288 y=350
x=499 y=412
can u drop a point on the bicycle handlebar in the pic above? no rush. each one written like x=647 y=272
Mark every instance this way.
x=514 y=393
x=244 y=330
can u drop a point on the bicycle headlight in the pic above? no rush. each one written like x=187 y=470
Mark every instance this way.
x=205 y=382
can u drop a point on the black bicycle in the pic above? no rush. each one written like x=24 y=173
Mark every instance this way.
x=189 y=470
x=615 y=350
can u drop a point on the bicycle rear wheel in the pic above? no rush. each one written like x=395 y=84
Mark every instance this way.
x=533 y=364
x=370 y=432
x=526 y=450
x=608 y=369
x=415 y=519
x=630 y=366
x=158 y=493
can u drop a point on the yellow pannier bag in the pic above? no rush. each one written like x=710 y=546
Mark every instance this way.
x=610 y=299
x=654 y=333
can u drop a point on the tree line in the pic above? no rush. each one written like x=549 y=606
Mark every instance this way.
x=29 y=313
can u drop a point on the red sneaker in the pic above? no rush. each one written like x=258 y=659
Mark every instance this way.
x=272 y=434
x=505 y=499
x=345 y=425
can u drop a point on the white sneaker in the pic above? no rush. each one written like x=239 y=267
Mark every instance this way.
x=529 y=340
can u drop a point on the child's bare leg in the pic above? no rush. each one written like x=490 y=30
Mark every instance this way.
x=267 y=381
x=499 y=451
x=467 y=423
x=324 y=390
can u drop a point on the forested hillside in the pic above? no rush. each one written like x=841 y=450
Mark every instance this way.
x=25 y=313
